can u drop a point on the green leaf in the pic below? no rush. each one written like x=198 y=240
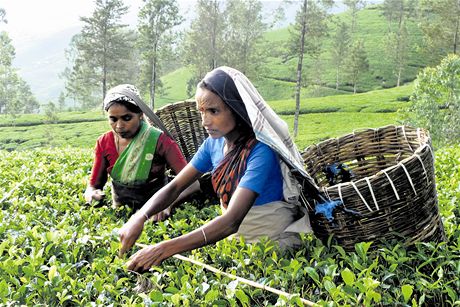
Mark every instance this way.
x=156 y=296
x=52 y=272
x=329 y=285
x=211 y=295
x=313 y=274
x=348 y=276
x=242 y=297
x=407 y=292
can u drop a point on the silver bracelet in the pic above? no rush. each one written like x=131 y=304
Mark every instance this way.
x=204 y=236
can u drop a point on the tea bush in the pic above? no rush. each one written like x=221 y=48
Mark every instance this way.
x=55 y=250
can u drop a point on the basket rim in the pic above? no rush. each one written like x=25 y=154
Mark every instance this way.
x=422 y=146
x=174 y=104
x=362 y=130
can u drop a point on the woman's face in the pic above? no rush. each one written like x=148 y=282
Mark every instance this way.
x=216 y=116
x=124 y=122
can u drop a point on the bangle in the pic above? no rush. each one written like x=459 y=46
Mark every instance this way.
x=204 y=236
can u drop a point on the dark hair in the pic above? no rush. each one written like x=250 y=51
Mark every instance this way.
x=128 y=105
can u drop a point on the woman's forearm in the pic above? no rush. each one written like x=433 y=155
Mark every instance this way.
x=212 y=232
x=160 y=200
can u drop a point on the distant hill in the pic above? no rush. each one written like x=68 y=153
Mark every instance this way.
x=277 y=79
x=41 y=62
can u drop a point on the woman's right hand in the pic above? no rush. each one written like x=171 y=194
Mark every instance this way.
x=93 y=194
x=161 y=216
x=130 y=232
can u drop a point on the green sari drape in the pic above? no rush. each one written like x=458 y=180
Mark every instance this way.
x=134 y=163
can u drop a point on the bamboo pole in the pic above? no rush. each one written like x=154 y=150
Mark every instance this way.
x=240 y=279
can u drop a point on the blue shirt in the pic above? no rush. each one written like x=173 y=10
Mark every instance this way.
x=262 y=174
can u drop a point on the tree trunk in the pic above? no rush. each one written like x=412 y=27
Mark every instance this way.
x=299 y=68
x=457 y=29
x=152 y=83
x=337 y=78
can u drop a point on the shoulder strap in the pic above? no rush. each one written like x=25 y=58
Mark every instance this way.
x=147 y=111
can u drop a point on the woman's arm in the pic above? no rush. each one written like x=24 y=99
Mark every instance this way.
x=217 y=229
x=98 y=176
x=132 y=229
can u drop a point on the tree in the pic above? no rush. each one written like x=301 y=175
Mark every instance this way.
x=243 y=36
x=157 y=18
x=397 y=50
x=3 y=15
x=340 y=45
x=80 y=80
x=15 y=95
x=306 y=38
x=203 y=44
x=102 y=51
x=354 y=6
x=440 y=23
x=397 y=38
x=357 y=63
x=435 y=101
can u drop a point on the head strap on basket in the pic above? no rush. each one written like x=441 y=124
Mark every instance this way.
x=146 y=110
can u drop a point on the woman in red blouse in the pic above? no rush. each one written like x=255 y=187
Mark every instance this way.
x=134 y=154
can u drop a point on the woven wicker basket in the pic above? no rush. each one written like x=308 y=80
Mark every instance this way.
x=393 y=187
x=184 y=123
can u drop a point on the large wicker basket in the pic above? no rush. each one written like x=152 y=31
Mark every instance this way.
x=392 y=189
x=184 y=123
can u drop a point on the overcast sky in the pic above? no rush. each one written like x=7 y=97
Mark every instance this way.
x=32 y=19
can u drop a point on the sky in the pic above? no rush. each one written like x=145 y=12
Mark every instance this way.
x=31 y=19
x=31 y=22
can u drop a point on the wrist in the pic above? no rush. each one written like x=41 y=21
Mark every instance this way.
x=142 y=216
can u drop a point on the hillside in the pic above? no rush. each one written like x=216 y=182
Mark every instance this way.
x=41 y=63
x=321 y=118
x=277 y=78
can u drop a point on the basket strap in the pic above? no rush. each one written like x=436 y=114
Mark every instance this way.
x=147 y=111
x=372 y=193
x=408 y=177
x=392 y=185
x=362 y=198
x=339 y=188
x=407 y=140
x=423 y=166
x=419 y=137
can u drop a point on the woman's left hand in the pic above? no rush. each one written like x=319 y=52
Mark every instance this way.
x=147 y=257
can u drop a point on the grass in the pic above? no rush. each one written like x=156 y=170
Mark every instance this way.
x=52 y=135
x=62 y=117
x=378 y=101
x=314 y=128
x=321 y=118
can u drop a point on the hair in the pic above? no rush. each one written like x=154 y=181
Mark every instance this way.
x=128 y=105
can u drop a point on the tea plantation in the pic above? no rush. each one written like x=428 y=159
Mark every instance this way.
x=55 y=250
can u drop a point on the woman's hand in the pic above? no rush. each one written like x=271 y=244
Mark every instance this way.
x=161 y=216
x=147 y=257
x=93 y=194
x=130 y=232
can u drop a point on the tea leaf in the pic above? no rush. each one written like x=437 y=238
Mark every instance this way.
x=407 y=292
x=348 y=277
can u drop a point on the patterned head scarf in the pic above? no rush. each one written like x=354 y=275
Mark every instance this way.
x=114 y=95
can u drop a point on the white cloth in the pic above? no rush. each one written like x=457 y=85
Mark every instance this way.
x=276 y=221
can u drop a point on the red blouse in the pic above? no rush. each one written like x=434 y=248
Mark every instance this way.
x=105 y=156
